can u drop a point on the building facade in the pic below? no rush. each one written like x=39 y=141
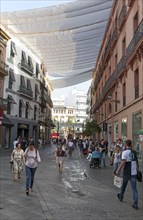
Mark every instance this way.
x=5 y=123
x=28 y=95
x=117 y=86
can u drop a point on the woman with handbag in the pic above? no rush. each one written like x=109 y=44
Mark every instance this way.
x=32 y=158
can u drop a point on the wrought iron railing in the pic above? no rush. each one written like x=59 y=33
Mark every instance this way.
x=25 y=91
x=26 y=67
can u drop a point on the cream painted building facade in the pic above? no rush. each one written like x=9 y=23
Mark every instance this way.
x=117 y=86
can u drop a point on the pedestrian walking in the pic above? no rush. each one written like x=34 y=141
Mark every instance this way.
x=60 y=154
x=129 y=163
x=32 y=158
x=17 y=158
x=102 y=150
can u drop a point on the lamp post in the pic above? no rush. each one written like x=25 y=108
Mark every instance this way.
x=57 y=132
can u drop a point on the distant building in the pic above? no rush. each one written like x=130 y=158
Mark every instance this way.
x=70 y=118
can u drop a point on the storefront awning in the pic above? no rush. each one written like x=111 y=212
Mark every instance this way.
x=6 y=121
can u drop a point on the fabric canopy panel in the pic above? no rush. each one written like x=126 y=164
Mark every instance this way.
x=67 y=37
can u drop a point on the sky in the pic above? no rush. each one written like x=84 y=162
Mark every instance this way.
x=16 y=5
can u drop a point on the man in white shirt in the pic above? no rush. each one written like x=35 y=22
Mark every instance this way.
x=14 y=143
x=130 y=163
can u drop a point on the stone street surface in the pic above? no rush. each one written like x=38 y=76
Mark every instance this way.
x=78 y=193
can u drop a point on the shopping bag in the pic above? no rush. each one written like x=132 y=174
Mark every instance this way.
x=118 y=181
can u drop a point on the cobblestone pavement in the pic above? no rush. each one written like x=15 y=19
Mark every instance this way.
x=78 y=193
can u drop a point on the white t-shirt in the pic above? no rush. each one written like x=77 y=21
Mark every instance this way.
x=32 y=158
x=130 y=167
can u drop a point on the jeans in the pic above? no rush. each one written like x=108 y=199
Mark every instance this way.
x=30 y=172
x=102 y=159
x=133 y=181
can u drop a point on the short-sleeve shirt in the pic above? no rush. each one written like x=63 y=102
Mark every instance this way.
x=130 y=167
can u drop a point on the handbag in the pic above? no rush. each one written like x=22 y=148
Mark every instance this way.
x=118 y=181
x=139 y=176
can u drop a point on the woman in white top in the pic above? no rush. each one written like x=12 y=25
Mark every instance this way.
x=32 y=158
x=17 y=157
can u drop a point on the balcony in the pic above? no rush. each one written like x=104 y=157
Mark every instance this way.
x=122 y=16
x=4 y=68
x=26 y=67
x=26 y=92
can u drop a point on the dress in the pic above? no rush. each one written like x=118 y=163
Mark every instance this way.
x=17 y=157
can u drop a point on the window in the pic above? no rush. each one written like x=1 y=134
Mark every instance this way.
x=123 y=45
x=110 y=108
x=21 y=106
x=24 y=59
x=124 y=94
x=30 y=62
x=116 y=104
x=22 y=82
x=35 y=112
x=29 y=85
x=116 y=60
x=26 y=110
x=13 y=50
x=136 y=83
x=135 y=21
x=8 y=108
x=37 y=70
x=11 y=78
x=124 y=128
x=36 y=92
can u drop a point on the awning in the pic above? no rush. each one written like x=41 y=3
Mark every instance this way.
x=66 y=37
x=6 y=121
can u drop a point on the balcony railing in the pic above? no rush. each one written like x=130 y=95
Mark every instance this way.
x=26 y=67
x=4 y=68
x=122 y=16
x=26 y=91
x=121 y=65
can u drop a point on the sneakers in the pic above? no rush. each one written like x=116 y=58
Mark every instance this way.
x=27 y=192
x=119 y=197
x=135 y=207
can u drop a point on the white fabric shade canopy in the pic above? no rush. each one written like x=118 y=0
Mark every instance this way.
x=67 y=37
